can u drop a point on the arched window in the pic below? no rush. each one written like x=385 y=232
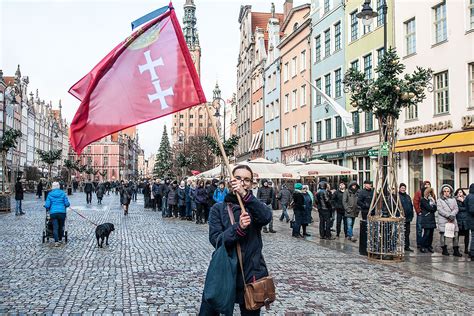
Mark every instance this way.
x=295 y=27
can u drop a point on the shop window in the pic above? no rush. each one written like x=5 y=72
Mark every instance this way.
x=415 y=170
x=445 y=169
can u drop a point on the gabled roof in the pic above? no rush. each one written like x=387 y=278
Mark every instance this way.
x=260 y=19
x=292 y=11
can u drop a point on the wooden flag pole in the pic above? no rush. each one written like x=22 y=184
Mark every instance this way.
x=224 y=156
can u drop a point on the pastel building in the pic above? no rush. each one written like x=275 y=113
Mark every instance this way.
x=295 y=93
x=436 y=138
x=327 y=73
x=271 y=92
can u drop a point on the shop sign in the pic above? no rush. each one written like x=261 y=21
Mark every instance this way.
x=373 y=153
x=468 y=122
x=356 y=153
x=429 y=128
x=384 y=149
x=334 y=156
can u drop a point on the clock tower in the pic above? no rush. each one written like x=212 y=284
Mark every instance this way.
x=193 y=121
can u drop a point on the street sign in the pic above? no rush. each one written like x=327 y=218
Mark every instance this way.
x=384 y=149
x=373 y=153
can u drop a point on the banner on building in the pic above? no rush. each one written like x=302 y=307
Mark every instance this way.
x=147 y=76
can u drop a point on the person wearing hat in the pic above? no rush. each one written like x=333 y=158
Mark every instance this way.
x=266 y=195
x=407 y=205
x=56 y=203
x=298 y=210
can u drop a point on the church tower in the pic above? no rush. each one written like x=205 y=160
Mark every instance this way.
x=193 y=121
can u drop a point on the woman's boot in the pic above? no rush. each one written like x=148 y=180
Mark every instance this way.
x=445 y=251
x=456 y=252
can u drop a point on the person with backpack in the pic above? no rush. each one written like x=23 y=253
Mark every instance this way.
x=285 y=198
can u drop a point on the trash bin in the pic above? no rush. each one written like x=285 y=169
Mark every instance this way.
x=363 y=238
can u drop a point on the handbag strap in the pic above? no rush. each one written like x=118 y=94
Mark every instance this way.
x=239 y=251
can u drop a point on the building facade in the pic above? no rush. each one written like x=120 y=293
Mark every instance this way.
x=295 y=93
x=436 y=138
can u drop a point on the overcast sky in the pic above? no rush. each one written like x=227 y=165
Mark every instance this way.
x=57 y=42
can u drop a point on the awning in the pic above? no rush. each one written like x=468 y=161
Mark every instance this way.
x=252 y=143
x=420 y=143
x=456 y=142
x=256 y=141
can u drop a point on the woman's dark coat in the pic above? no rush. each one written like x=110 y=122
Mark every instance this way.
x=298 y=206
x=308 y=207
x=462 y=216
x=407 y=205
x=250 y=239
x=201 y=195
x=125 y=195
x=427 y=214
x=18 y=191
x=469 y=203
x=173 y=196
x=181 y=196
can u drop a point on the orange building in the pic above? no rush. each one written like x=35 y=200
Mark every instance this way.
x=295 y=92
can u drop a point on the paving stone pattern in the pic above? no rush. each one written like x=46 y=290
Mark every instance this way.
x=156 y=266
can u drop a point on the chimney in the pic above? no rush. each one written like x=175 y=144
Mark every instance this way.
x=287 y=6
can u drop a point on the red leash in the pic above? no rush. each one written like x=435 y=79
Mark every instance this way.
x=83 y=217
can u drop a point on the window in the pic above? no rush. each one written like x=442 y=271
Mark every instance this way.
x=380 y=53
x=303 y=132
x=191 y=116
x=410 y=37
x=327 y=42
x=200 y=116
x=338 y=82
x=380 y=17
x=327 y=84
x=440 y=23
x=181 y=116
x=367 y=28
x=415 y=170
x=369 y=121
x=326 y=6
x=303 y=95
x=338 y=126
x=355 y=64
x=471 y=14
x=287 y=103
x=293 y=67
x=285 y=73
x=317 y=50
x=303 y=60
x=328 y=128
x=276 y=140
x=355 y=121
x=441 y=93
x=286 y=139
x=294 y=134
x=106 y=149
x=318 y=131
x=412 y=112
x=354 y=25
x=471 y=85
x=294 y=99
x=445 y=169
x=277 y=108
x=106 y=161
x=318 y=95
x=337 y=36
x=368 y=66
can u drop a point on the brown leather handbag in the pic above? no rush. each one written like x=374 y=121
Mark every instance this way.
x=259 y=293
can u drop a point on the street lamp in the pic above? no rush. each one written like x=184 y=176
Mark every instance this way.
x=216 y=97
x=182 y=140
x=367 y=15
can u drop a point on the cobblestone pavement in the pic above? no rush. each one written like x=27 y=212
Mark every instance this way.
x=155 y=266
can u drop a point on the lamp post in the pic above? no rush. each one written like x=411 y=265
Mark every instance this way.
x=216 y=103
x=182 y=140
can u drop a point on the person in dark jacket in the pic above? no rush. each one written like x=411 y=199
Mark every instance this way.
x=211 y=188
x=39 y=189
x=173 y=200
x=146 y=194
x=266 y=195
x=100 y=193
x=416 y=205
x=201 y=202
x=57 y=203
x=462 y=218
x=428 y=221
x=339 y=207
x=189 y=209
x=125 y=197
x=88 y=189
x=246 y=231
x=181 y=192
x=407 y=205
x=164 y=191
x=469 y=203
x=298 y=210
x=323 y=201
x=308 y=208
x=157 y=197
x=285 y=198
x=18 y=197
x=349 y=201
x=365 y=198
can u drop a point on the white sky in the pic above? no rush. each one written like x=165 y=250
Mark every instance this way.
x=57 y=42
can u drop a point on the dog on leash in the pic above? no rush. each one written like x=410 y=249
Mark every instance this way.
x=102 y=233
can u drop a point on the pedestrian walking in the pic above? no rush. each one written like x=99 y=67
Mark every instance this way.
x=298 y=210
x=18 y=197
x=416 y=204
x=407 y=205
x=285 y=198
x=469 y=203
x=246 y=232
x=156 y=192
x=308 y=208
x=339 y=208
x=125 y=198
x=57 y=203
x=146 y=194
x=447 y=211
x=266 y=195
x=462 y=218
x=100 y=193
x=88 y=188
x=428 y=222
x=201 y=201
x=325 y=211
x=173 y=200
x=351 y=207
x=39 y=189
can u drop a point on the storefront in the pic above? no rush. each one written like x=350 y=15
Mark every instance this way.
x=446 y=158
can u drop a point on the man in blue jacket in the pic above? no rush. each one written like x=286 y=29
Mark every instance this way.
x=56 y=203
x=220 y=192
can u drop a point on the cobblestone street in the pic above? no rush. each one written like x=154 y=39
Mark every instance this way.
x=158 y=266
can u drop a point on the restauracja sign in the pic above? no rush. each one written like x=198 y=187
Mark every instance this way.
x=429 y=128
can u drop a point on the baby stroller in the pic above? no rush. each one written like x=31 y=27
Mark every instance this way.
x=48 y=229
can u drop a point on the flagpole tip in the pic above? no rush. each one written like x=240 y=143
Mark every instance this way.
x=171 y=6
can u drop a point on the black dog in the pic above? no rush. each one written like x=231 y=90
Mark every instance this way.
x=102 y=232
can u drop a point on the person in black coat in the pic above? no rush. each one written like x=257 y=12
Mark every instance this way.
x=462 y=218
x=428 y=221
x=339 y=207
x=146 y=194
x=266 y=195
x=18 y=197
x=469 y=203
x=39 y=189
x=407 y=205
x=88 y=188
x=365 y=198
x=298 y=210
x=323 y=200
x=246 y=231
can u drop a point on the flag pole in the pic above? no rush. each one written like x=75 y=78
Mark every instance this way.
x=224 y=156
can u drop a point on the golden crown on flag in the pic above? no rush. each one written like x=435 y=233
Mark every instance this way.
x=142 y=39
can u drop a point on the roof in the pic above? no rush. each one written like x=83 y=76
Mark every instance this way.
x=260 y=19
x=306 y=6
x=9 y=80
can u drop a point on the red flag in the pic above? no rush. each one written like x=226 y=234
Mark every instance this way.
x=147 y=76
